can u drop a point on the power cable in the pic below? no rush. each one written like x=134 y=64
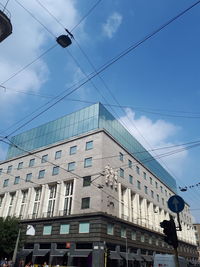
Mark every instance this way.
x=129 y=49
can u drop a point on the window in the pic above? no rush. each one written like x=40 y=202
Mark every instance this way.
x=86 y=181
x=121 y=156
x=85 y=203
x=161 y=189
x=146 y=189
x=130 y=164
x=133 y=235
x=138 y=185
x=9 y=169
x=1 y=200
x=121 y=172
x=47 y=229
x=163 y=201
x=150 y=179
x=1 y=171
x=36 y=206
x=64 y=229
x=44 y=158
x=152 y=194
x=20 y=165
x=145 y=175
x=5 y=183
x=68 y=198
x=55 y=170
x=41 y=174
x=58 y=154
x=89 y=145
x=130 y=179
x=123 y=232
x=73 y=150
x=137 y=170
x=156 y=184
x=71 y=166
x=110 y=229
x=31 y=162
x=142 y=238
x=150 y=240
x=28 y=177
x=52 y=199
x=165 y=192
x=88 y=162
x=158 y=198
x=17 y=178
x=84 y=227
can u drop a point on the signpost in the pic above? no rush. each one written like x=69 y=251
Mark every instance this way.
x=176 y=204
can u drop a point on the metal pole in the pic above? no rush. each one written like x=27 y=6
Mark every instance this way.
x=16 y=247
x=105 y=259
x=126 y=253
x=176 y=257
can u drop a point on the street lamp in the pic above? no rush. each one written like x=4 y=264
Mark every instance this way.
x=126 y=252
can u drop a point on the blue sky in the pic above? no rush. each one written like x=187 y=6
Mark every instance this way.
x=162 y=74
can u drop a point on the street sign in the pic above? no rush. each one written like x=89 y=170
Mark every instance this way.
x=176 y=203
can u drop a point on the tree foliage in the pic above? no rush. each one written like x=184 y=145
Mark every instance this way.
x=9 y=228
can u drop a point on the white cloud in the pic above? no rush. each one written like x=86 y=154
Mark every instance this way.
x=112 y=24
x=28 y=40
x=156 y=134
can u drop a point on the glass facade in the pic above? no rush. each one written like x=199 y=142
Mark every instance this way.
x=87 y=119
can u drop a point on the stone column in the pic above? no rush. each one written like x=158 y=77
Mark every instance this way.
x=98 y=254
x=120 y=199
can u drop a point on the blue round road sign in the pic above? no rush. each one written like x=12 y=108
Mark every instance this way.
x=176 y=203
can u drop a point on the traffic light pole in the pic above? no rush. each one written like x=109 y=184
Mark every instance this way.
x=176 y=257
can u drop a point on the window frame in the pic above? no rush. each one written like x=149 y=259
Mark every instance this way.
x=85 y=203
x=88 y=145
x=86 y=164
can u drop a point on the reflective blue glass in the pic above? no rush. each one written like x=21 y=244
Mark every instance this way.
x=80 y=122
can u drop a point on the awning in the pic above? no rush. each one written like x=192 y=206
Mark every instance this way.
x=114 y=255
x=41 y=252
x=137 y=257
x=25 y=253
x=58 y=253
x=80 y=253
x=127 y=256
x=147 y=258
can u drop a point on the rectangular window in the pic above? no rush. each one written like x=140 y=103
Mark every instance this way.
x=138 y=185
x=88 y=162
x=47 y=230
x=110 y=229
x=5 y=183
x=145 y=175
x=31 y=162
x=84 y=227
x=158 y=198
x=17 y=178
x=89 y=145
x=58 y=154
x=36 y=206
x=87 y=181
x=133 y=235
x=156 y=184
x=121 y=156
x=152 y=194
x=64 y=229
x=44 y=158
x=165 y=192
x=41 y=174
x=28 y=177
x=161 y=189
x=121 y=173
x=137 y=169
x=73 y=150
x=68 y=198
x=1 y=200
x=163 y=201
x=146 y=189
x=142 y=238
x=20 y=165
x=52 y=199
x=71 y=166
x=123 y=232
x=55 y=170
x=9 y=169
x=1 y=170
x=130 y=179
x=151 y=181
x=130 y=164
x=85 y=203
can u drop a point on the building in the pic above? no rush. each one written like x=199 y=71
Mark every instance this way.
x=86 y=188
x=197 y=235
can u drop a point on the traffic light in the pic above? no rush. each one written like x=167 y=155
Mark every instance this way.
x=169 y=229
